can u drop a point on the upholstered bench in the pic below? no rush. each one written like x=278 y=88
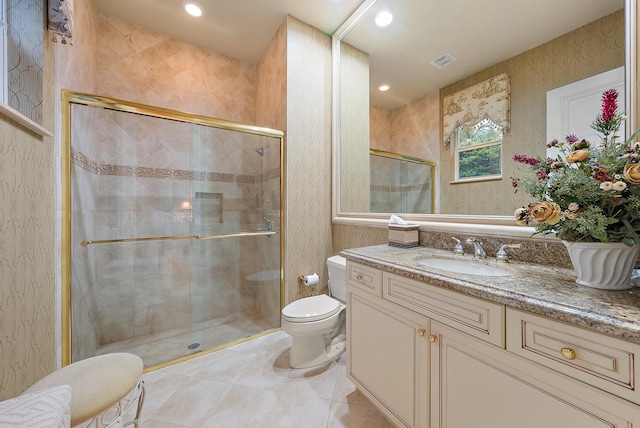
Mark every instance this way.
x=103 y=389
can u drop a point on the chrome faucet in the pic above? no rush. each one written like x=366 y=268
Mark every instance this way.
x=457 y=249
x=502 y=253
x=478 y=251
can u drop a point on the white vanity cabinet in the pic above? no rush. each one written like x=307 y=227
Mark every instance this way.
x=387 y=357
x=431 y=357
x=475 y=384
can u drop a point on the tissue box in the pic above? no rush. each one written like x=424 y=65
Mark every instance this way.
x=403 y=236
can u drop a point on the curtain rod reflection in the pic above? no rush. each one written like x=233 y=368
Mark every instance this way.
x=169 y=238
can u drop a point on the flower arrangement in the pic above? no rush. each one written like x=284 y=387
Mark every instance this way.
x=589 y=193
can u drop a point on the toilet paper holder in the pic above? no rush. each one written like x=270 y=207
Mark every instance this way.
x=309 y=280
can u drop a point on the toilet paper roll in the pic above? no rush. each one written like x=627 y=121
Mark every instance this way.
x=312 y=279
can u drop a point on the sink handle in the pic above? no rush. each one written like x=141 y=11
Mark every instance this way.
x=502 y=253
x=458 y=248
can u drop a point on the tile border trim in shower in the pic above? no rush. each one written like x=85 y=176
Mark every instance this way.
x=88 y=164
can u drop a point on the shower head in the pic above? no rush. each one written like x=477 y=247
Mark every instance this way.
x=260 y=151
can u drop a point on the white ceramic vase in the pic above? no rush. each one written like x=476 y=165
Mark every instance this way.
x=603 y=265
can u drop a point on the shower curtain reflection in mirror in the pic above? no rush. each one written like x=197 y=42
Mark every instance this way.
x=167 y=240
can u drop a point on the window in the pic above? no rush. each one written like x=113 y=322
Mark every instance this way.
x=24 y=50
x=21 y=56
x=479 y=151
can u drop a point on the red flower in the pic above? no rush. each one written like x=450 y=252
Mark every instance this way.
x=609 y=104
x=529 y=160
x=541 y=174
x=600 y=174
x=571 y=138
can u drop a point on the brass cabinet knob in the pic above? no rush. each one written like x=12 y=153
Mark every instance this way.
x=422 y=332
x=359 y=277
x=433 y=338
x=568 y=353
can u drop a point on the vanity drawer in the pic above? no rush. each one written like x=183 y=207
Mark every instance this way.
x=364 y=278
x=594 y=358
x=476 y=317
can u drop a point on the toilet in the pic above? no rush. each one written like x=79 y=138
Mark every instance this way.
x=317 y=324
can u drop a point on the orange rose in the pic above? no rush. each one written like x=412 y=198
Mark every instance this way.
x=578 y=155
x=632 y=173
x=546 y=212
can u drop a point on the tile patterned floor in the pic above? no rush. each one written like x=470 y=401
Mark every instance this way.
x=251 y=385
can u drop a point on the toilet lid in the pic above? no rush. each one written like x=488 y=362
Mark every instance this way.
x=313 y=308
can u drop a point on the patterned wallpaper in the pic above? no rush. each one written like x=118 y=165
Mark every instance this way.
x=345 y=236
x=27 y=251
x=308 y=241
x=354 y=132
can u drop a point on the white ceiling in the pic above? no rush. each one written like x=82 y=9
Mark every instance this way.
x=240 y=29
x=478 y=33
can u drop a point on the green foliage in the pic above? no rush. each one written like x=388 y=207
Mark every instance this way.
x=480 y=162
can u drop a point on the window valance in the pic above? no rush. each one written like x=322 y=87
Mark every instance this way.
x=487 y=99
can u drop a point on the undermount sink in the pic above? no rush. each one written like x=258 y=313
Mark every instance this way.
x=469 y=267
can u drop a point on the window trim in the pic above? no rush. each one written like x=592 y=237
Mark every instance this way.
x=23 y=120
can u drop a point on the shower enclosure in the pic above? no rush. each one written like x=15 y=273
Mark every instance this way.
x=172 y=239
x=401 y=184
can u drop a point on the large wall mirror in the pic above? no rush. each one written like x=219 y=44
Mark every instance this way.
x=540 y=47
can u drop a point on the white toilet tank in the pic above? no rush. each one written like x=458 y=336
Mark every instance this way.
x=337 y=266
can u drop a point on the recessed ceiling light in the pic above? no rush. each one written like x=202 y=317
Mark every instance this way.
x=193 y=8
x=383 y=19
x=383 y=88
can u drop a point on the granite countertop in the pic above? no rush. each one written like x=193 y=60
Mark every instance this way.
x=543 y=290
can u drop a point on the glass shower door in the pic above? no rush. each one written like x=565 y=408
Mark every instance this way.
x=236 y=212
x=174 y=235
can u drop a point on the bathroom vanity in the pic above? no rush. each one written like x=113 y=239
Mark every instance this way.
x=433 y=344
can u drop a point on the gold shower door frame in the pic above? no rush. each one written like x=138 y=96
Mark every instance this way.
x=70 y=98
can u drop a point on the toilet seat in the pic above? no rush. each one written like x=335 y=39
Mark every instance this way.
x=309 y=309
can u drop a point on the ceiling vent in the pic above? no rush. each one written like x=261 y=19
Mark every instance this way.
x=443 y=60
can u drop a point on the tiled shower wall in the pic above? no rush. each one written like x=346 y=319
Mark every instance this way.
x=146 y=170
x=400 y=186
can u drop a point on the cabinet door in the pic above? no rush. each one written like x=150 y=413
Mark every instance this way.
x=387 y=357
x=478 y=385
